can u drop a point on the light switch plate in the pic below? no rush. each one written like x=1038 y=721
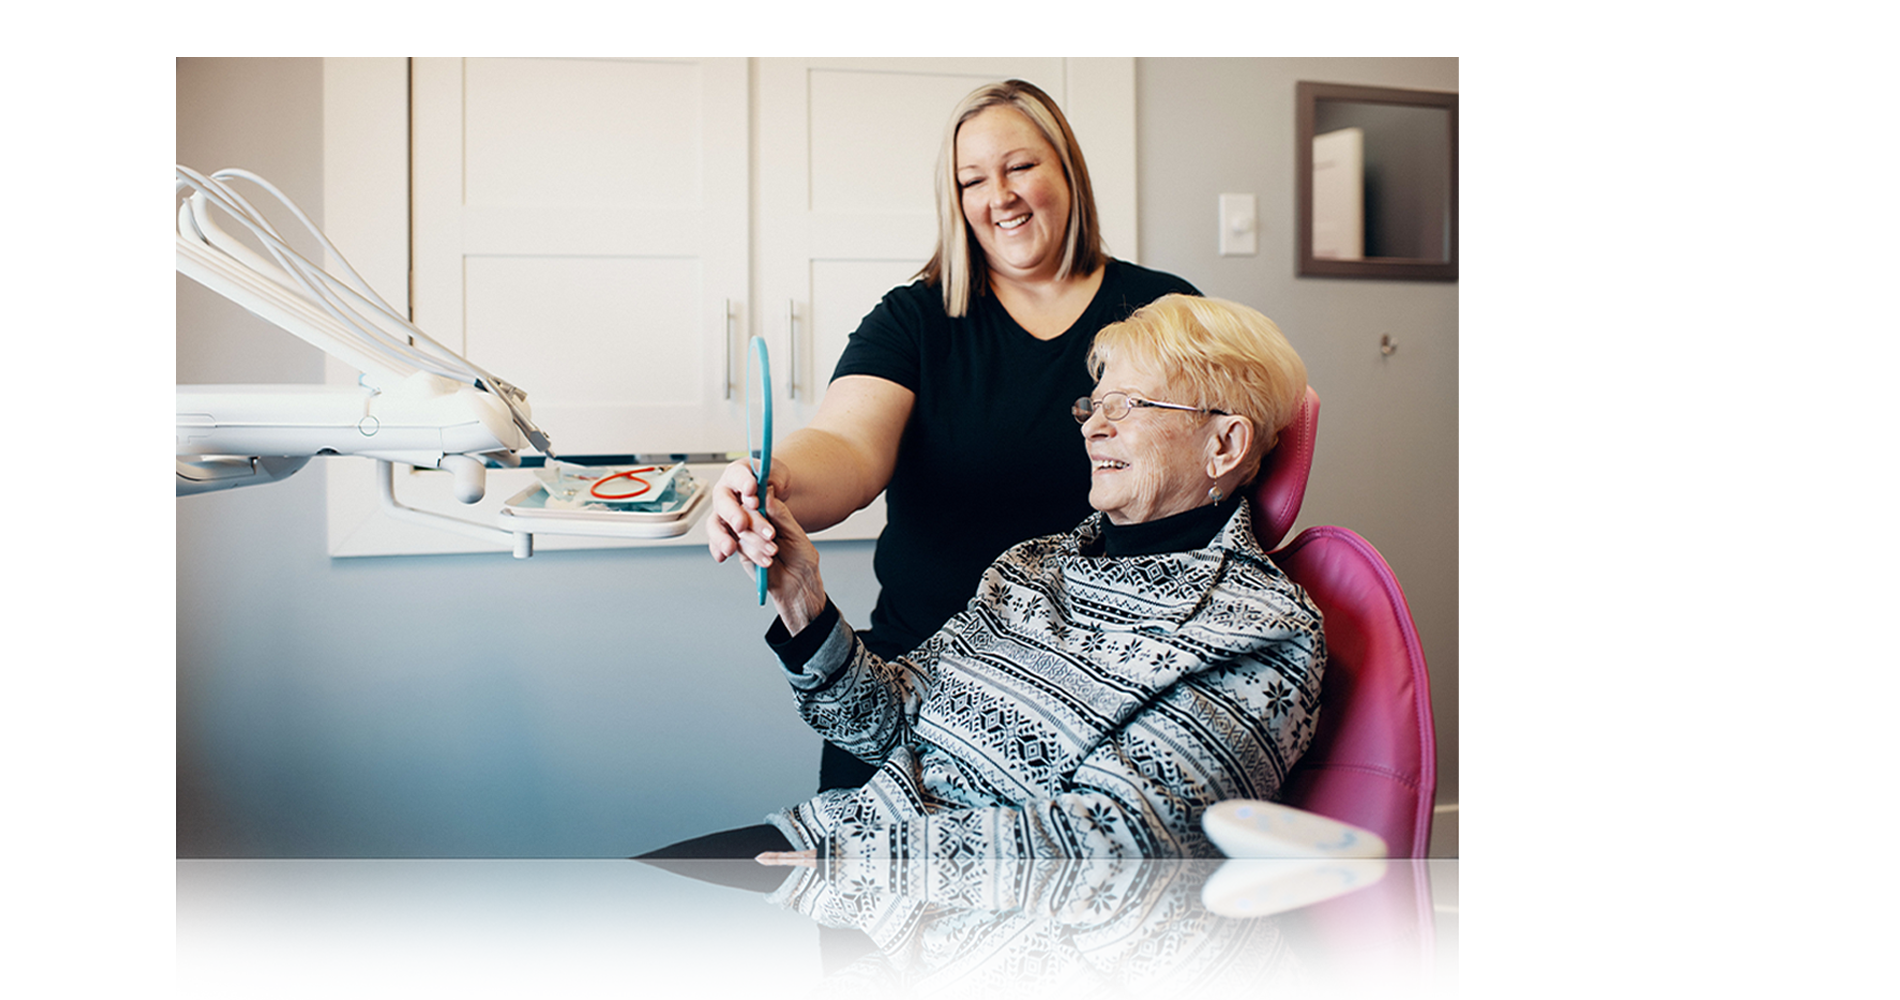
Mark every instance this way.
x=1239 y=225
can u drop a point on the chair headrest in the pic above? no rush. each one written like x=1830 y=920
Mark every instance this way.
x=1280 y=487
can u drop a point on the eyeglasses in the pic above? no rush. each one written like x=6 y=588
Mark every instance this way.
x=1115 y=405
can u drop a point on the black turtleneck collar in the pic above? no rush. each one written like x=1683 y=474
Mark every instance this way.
x=1181 y=532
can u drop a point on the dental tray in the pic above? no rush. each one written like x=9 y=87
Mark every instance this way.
x=565 y=494
x=536 y=511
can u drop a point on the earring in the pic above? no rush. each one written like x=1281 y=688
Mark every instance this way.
x=1214 y=495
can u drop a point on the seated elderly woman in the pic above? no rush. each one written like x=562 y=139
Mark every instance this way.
x=1104 y=686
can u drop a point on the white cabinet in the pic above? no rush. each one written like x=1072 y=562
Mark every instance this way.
x=607 y=234
x=580 y=226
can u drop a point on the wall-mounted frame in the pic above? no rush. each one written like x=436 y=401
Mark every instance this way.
x=1378 y=193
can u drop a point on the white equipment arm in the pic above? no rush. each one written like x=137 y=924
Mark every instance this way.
x=417 y=402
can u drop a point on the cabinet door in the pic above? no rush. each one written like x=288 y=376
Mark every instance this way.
x=581 y=231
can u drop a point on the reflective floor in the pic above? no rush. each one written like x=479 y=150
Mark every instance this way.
x=578 y=928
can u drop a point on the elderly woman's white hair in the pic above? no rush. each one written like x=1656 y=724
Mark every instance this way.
x=1216 y=354
x=958 y=265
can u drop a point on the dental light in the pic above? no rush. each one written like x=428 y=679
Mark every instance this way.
x=416 y=403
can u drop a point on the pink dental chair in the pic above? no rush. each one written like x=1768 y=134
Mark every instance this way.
x=1372 y=761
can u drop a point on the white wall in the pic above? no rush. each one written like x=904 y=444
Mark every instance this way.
x=1678 y=588
x=1678 y=552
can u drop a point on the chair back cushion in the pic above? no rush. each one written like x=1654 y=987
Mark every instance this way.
x=1373 y=759
x=1281 y=485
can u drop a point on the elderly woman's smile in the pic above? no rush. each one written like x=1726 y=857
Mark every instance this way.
x=1151 y=463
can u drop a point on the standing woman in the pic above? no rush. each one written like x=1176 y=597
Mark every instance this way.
x=953 y=396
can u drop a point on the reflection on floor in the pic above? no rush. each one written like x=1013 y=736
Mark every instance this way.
x=1509 y=928
x=474 y=930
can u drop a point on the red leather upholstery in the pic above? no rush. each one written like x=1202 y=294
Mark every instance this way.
x=1372 y=761
x=1281 y=484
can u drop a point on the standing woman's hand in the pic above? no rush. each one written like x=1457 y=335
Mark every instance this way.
x=736 y=526
x=851 y=442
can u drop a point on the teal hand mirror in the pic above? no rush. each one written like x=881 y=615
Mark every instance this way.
x=759 y=426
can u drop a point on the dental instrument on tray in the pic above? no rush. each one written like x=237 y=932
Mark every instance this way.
x=416 y=402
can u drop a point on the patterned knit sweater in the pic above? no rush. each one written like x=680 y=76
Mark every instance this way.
x=1080 y=706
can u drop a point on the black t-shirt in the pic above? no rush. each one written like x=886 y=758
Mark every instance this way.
x=991 y=455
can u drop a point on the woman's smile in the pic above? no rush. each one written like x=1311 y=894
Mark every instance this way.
x=1152 y=462
x=1014 y=195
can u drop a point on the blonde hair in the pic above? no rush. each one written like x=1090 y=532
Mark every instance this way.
x=1212 y=353
x=957 y=266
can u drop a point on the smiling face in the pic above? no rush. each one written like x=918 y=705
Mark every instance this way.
x=1152 y=462
x=1014 y=195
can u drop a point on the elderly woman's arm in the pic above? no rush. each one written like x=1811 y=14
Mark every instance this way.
x=852 y=698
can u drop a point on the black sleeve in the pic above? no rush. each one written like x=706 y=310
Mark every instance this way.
x=796 y=650
x=888 y=341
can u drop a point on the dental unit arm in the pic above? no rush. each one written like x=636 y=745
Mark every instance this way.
x=416 y=403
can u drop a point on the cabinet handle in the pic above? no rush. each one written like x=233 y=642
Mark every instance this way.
x=791 y=336
x=725 y=365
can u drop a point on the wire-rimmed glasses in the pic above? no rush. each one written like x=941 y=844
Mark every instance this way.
x=1116 y=405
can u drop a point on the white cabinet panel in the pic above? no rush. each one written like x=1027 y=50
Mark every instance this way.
x=584 y=132
x=536 y=315
x=874 y=137
x=841 y=293
x=582 y=229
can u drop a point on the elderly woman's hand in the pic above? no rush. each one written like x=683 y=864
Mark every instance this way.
x=736 y=526
x=796 y=589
